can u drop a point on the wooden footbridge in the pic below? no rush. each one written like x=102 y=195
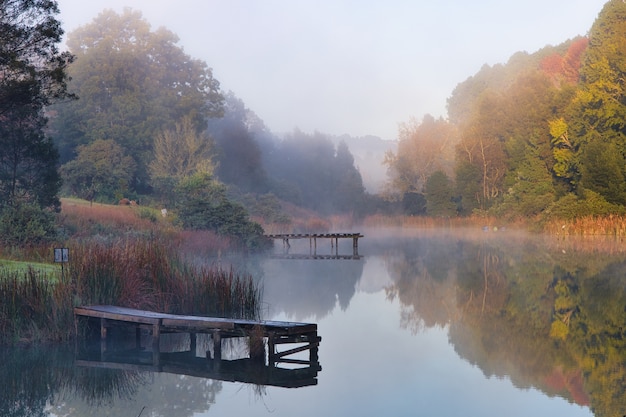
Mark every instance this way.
x=261 y=367
x=313 y=237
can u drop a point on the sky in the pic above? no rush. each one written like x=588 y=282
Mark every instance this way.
x=356 y=67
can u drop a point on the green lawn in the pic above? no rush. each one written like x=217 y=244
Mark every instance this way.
x=20 y=266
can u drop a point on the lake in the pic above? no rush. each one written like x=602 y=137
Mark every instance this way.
x=425 y=323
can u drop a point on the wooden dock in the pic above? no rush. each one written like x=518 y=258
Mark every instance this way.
x=313 y=237
x=272 y=335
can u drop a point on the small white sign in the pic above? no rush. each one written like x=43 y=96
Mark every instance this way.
x=61 y=255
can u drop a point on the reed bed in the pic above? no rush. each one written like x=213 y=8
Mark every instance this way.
x=611 y=225
x=136 y=273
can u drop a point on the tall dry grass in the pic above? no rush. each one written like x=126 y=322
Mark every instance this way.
x=611 y=225
x=136 y=273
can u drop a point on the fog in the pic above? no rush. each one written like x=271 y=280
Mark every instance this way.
x=346 y=67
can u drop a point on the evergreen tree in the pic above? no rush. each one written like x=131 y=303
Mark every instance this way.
x=32 y=75
x=598 y=118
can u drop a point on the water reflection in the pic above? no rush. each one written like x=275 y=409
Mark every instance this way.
x=542 y=315
x=432 y=323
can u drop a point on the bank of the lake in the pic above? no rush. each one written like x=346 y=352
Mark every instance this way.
x=36 y=305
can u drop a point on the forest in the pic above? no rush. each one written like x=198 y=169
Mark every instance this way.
x=126 y=115
x=539 y=137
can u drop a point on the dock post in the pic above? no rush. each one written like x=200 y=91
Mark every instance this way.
x=103 y=337
x=271 y=349
x=138 y=338
x=192 y=344
x=355 y=246
x=217 y=350
x=156 y=336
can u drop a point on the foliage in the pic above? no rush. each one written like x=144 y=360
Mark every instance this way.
x=572 y=206
x=134 y=83
x=238 y=149
x=32 y=75
x=203 y=205
x=423 y=149
x=26 y=224
x=542 y=128
x=439 y=195
x=312 y=172
x=142 y=273
x=101 y=171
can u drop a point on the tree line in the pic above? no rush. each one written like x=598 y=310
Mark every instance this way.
x=541 y=136
x=132 y=116
x=126 y=113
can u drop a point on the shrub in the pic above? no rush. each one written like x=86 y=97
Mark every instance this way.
x=26 y=224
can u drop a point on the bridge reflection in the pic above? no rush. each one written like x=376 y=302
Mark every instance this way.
x=281 y=372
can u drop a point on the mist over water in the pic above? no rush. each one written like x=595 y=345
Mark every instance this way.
x=425 y=323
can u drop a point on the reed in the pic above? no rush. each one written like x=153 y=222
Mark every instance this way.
x=136 y=273
x=610 y=225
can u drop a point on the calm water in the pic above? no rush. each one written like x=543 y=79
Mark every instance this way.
x=432 y=324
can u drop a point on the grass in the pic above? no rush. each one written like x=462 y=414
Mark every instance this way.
x=23 y=266
x=118 y=255
x=137 y=273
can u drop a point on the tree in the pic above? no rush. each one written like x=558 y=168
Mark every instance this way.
x=179 y=153
x=481 y=154
x=32 y=76
x=134 y=83
x=423 y=149
x=237 y=148
x=597 y=118
x=202 y=205
x=439 y=194
x=101 y=171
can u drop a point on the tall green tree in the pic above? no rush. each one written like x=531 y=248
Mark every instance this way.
x=597 y=122
x=32 y=76
x=134 y=83
x=101 y=171
x=439 y=193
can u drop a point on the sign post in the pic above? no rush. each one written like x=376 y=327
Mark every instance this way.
x=62 y=256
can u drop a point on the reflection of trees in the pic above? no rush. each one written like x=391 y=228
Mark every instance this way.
x=309 y=288
x=554 y=320
x=27 y=381
x=34 y=377
x=161 y=394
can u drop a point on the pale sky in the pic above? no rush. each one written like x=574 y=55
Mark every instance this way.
x=357 y=67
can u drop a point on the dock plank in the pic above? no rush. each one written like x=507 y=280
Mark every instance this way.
x=187 y=323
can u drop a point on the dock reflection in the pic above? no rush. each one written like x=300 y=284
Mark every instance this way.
x=200 y=363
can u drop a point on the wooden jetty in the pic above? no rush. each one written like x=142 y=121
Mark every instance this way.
x=313 y=237
x=272 y=334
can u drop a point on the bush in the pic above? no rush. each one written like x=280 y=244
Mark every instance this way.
x=571 y=207
x=26 y=224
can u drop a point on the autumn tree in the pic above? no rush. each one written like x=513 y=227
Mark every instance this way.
x=180 y=153
x=134 y=83
x=597 y=120
x=423 y=148
x=481 y=158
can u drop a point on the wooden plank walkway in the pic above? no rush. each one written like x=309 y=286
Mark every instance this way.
x=312 y=237
x=273 y=333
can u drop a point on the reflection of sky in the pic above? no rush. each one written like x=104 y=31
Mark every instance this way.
x=372 y=367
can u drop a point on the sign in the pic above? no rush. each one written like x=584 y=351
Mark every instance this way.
x=61 y=255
